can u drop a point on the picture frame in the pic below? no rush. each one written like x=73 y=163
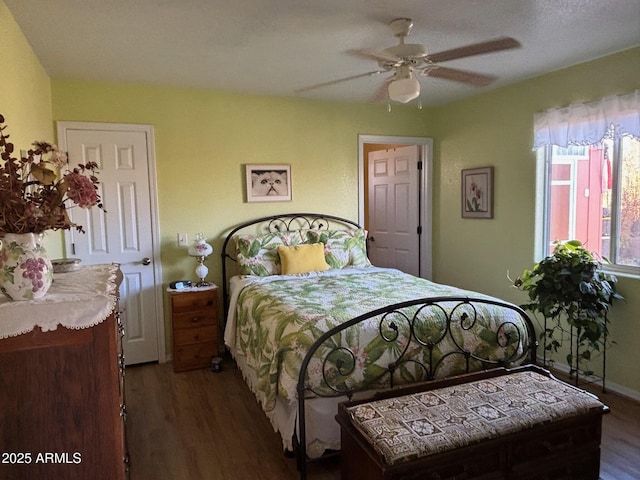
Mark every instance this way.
x=268 y=182
x=477 y=192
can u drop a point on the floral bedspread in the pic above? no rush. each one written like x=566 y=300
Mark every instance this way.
x=278 y=317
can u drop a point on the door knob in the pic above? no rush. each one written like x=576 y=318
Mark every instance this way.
x=372 y=239
x=146 y=261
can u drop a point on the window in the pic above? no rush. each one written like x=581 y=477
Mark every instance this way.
x=591 y=186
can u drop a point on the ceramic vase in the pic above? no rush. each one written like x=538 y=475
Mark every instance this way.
x=25 y=270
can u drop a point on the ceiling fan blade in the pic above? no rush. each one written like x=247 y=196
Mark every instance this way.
x=340 y=80
x=375 y=55
x=495 y=45
x=471 y=78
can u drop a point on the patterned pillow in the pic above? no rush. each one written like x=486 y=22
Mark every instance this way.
x=343 y=248
x=258 y=254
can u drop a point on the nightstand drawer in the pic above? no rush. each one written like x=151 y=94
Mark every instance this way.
x=194 y=319
x=194 y=315
x=206 y=300
x=186 y=336
x=187 y=357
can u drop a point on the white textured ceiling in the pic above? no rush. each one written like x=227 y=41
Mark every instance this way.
x=274 y=47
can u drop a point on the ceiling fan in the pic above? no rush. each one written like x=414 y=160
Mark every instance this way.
x=408 y=60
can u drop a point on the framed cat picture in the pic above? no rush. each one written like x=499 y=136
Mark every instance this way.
x=268 y=182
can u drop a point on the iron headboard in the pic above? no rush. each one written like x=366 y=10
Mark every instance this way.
x=273 y=224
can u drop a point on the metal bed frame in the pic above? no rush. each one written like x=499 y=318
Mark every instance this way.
x=459 y=313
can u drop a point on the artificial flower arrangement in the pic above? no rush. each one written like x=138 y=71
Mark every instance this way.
x=33 y=196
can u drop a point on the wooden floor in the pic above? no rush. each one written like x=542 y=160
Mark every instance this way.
x=204 y=425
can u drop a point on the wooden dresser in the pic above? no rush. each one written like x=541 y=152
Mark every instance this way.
x=194 y=315
x=62 y=407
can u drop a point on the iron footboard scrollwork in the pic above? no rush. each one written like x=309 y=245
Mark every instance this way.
x=422 y=340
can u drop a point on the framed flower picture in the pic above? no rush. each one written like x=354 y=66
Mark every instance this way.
x=268 y=183
x=477 y=192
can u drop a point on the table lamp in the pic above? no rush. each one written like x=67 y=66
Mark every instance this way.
x=201 y=250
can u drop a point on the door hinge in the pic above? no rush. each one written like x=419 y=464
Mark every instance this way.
x=419 y=164
x=419 y=229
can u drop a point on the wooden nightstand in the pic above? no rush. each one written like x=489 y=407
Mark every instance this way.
x=194 y=315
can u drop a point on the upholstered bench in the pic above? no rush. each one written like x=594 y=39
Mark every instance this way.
x=520 y=423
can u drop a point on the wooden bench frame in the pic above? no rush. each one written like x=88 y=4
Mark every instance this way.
x=568 y=448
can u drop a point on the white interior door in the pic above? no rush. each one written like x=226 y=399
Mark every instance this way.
x=125 y=233
x=394 y=202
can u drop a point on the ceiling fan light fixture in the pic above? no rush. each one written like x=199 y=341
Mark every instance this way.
x=404 y=90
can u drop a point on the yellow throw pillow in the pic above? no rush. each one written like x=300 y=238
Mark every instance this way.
x=302 y=258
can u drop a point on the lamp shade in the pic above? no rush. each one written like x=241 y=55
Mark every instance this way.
x=200 y=247
x=404 y=90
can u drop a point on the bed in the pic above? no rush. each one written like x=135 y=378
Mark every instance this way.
x=310 y=323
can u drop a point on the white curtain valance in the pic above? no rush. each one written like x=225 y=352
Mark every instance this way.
x=588 y=123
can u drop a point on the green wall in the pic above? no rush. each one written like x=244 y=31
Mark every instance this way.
x=204 y=138
x=496 y=129
x=25 y=89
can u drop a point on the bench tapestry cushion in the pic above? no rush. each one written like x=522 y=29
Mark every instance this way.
x=425 y=423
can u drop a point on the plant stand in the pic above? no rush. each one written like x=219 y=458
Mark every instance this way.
x=575 y=355
x=574 y=368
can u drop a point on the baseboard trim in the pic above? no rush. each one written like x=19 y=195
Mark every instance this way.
x=610 y=386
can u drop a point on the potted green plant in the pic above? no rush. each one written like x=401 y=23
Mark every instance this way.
x=572 y=292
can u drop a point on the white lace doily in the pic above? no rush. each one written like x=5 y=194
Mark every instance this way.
x=76 y=300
